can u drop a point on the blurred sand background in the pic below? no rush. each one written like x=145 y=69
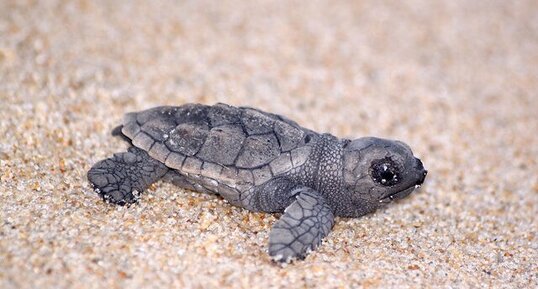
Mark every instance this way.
x=457 y=80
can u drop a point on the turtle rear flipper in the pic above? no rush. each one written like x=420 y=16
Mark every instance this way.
x=123 y=177
x=117 y=133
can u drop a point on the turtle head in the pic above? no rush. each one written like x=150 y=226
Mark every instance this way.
x=378 y=171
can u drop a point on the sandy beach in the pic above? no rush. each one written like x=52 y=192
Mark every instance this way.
x=457 y=81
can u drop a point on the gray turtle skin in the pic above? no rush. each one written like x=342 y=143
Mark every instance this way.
x=262 y=162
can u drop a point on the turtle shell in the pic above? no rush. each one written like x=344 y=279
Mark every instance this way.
x=235 y=146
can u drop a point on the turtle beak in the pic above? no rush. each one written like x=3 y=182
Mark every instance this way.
x=421 y=172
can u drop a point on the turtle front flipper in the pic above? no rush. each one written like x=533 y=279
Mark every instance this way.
x=301 y=228
x=121 y=178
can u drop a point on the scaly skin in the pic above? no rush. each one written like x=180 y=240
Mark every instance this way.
x=261 y=162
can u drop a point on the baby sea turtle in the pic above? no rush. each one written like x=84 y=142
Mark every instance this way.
x=262 y=162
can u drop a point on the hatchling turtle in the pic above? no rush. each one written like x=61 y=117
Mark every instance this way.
x=262 y=162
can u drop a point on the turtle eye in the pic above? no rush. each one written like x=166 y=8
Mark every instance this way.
x=385 y=172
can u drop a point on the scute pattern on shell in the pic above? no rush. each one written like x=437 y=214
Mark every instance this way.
x=196 y=139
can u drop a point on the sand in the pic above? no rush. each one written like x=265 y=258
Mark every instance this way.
x=457 y=80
